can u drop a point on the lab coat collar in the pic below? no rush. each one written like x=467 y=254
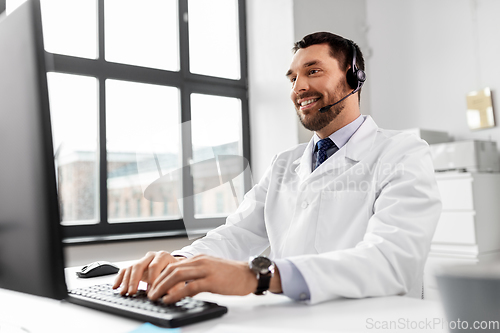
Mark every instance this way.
x=358 y=145
x=362 y=140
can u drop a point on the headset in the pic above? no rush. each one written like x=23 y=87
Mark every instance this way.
x=355 y=78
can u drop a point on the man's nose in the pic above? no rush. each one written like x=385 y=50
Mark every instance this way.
x=300 y=85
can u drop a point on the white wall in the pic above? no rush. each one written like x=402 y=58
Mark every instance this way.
x=346 y=18
x=427 y=55
x=272 y=116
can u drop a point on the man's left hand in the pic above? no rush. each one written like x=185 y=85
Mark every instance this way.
x=203 y=273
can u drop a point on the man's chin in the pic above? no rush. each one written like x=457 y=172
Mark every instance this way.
x=315 y=121
x=312 y=124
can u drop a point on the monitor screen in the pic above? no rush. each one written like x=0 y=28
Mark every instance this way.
x=31 y=256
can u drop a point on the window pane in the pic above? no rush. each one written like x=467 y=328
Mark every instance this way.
x=142 y=124
x=70 y=27
x=74 y=115
x=217 y=144
x=142 y=33
x=214 y=38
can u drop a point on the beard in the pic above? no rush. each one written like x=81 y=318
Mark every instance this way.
x=319 y=120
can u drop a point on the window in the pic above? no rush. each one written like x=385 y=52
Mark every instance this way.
x=74 y=115
x=138 y=91
x=212 y=138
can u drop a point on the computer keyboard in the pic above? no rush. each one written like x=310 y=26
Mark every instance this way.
x=138 y=306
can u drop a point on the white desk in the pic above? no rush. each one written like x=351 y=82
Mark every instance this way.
x=268 y=313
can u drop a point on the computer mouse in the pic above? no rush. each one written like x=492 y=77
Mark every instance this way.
x=98 y=268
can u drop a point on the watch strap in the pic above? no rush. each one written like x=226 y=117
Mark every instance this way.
x=263 y=282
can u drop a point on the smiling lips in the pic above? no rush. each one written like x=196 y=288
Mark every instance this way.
x=307 y=103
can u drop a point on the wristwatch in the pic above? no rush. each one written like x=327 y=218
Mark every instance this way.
x=263 y=267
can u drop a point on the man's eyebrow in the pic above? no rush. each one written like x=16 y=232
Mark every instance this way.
x=312 y=63
x=307 y=64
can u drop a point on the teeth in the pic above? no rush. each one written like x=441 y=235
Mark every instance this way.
x=309 y=101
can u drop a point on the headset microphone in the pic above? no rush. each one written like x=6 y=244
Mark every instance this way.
x=326 y=108
x=355 y=78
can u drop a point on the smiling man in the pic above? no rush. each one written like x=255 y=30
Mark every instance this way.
x=318 y=80
x=350 y=214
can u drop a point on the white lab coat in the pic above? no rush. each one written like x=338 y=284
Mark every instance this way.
x=359 y=225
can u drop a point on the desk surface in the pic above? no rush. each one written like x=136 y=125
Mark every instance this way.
x=269 y=313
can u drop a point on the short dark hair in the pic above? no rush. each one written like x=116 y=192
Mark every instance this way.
x=340 y=48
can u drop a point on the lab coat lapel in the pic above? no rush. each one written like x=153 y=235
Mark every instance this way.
x=362 y=141
x=304 y=164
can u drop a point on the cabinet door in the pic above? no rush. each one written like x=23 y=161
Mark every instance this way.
x=456 y=194
x=456 y=228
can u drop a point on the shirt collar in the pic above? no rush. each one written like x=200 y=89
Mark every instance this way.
x=342 y=135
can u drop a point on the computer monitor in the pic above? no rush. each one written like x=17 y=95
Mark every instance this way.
x=31 y=254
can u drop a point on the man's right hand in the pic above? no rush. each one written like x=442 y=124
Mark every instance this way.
x=146 y=269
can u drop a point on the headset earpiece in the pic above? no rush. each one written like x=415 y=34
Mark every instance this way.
x=355 y=77
x=352 y=79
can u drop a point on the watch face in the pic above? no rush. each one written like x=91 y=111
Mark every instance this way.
x=261 y=264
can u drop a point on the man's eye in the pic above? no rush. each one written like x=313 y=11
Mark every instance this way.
x=313 y=71
x=293 y=79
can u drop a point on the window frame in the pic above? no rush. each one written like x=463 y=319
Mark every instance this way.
x=187 y=83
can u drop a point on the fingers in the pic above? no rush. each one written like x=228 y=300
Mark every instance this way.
x=157 y=265
x=167 y=271
x=147 y=269
x=190 y=289
x=119 y=278
x=126 y=281
x=130 y=277
x=172 y=276
x=165 y=274
x=177 y=287
x=134 y=278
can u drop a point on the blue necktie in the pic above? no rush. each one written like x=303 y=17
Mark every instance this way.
x=321 y=147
